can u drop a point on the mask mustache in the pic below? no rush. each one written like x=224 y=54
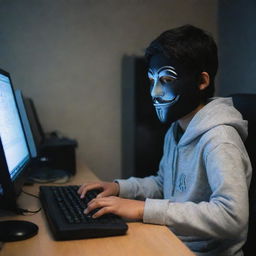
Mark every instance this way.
x=160 y=102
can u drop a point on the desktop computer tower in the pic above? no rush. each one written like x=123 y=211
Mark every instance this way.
x=60 y=153
x=142 y=132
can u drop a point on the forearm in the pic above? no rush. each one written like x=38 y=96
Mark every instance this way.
x=140 y=188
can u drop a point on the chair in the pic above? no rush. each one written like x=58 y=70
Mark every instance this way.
x=246 y=105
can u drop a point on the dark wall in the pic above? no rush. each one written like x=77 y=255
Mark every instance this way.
x=237 y=51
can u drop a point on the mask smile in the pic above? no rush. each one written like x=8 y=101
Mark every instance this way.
x=158 y=102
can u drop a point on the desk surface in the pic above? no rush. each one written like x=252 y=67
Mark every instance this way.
x=141 y=239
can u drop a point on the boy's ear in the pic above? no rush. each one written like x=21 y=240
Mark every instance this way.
x=204 y=80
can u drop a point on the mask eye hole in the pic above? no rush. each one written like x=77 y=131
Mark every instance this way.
x=151 y=79
x=167 y=79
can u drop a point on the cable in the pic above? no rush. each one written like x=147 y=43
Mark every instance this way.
x=29 y=194
x=27 y=211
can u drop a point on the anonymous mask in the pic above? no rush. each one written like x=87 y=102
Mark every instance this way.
x=174 y=90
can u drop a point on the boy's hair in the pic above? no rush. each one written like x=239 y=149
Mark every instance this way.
x=190 y=46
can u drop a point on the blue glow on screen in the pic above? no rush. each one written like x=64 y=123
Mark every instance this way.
x=11 y=132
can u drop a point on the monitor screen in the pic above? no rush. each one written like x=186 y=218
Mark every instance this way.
x=11 y=131
x=14 y=152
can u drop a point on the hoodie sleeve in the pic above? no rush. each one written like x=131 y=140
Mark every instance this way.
x=142 y=188
x=225 y=214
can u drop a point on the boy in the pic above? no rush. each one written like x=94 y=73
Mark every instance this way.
x=201 y=189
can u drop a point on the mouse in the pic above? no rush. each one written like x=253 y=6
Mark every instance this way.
x=16 y=230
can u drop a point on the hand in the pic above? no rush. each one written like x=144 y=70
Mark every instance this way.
x=108 y=188
x=126 y=208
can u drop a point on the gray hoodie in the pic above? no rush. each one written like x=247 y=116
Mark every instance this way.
x=201 y=189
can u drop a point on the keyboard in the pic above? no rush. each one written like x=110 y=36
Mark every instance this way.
x=64 y=211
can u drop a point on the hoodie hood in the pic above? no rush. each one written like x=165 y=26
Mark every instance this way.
x=221 y=112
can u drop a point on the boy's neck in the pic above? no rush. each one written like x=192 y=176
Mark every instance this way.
x=184 y=121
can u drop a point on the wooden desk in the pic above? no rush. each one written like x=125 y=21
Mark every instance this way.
x=140 y=240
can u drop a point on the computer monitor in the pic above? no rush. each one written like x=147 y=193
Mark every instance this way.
x=26 y=124
x=34 y=121
x=42 y=164
x=15 y=157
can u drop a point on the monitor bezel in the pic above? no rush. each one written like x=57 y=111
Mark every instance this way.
x=12 y=188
